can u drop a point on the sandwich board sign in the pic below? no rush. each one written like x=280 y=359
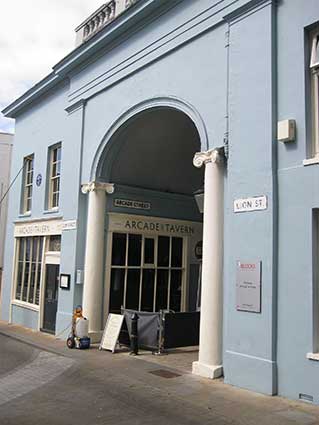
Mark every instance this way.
x=111 y=332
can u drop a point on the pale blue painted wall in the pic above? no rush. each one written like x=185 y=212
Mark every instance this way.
x=34 y=134
x=298 y=196
x=22 y=316
x=183 y=54
x=250 y=338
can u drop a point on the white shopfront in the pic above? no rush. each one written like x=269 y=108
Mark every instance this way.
x=36 y=272
x=147 y=262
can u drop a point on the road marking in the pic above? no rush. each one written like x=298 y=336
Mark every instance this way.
x=43 y=369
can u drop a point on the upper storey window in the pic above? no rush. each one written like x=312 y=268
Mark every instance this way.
x=314 y=69
x=27 y=184
x=54 y=176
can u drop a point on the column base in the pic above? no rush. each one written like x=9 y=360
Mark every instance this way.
x=95 y=336
x=207 y=371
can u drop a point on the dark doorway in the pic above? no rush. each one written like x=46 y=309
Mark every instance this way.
x=147 y=272
x=51 y=297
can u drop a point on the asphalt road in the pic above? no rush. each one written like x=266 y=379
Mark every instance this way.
x=37 y=387
x=13 y=354
x=93 y=388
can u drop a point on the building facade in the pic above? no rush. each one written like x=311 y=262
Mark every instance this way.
x=6 y=141
x=158 y=99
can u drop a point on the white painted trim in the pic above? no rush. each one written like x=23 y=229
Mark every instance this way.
x=23 y=267
x=107 y=276
x=24 y=215
x=52 y=257
x=26 y=305
x=315 y=105
x=314 y=86
x=311 y=161
x=37 y=220
x=313 y=356
x=27 y=160
x=116 y=221
x=51 y=178
x=47 y=257
x=314 y=62
x=42 y=283
x=13 y=278
x=187 y=255
x=30 y=269
x=20 y=302
x=38 y=228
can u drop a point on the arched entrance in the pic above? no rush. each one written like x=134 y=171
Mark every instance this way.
x=154 y=150
x=145 y=166
x=152 y=220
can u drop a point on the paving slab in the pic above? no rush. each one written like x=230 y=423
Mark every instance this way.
x=98 y=387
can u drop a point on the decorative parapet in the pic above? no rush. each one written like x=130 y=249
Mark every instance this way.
x=100 y=18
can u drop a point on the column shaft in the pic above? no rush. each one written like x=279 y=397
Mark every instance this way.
x=211 y=321
x=94 y=260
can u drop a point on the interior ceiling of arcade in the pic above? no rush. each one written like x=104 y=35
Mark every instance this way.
x=155 y=151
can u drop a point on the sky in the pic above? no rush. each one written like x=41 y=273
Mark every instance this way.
x=34 y=36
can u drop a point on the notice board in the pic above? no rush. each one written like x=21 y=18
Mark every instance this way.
x=248 y=286
x=111 y=332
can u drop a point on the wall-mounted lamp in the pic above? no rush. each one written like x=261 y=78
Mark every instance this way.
x=199 y=198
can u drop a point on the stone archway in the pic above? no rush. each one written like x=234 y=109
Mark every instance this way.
x=154 y=149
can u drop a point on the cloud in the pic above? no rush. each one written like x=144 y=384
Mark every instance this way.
x=33 y=37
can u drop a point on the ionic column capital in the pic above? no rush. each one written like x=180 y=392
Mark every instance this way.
x=213 y=155
x=95 y=186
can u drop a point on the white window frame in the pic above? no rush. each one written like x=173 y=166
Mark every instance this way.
x=54 y=177
x=190 y=231
x=38 y=275
x=147 y=266
x=314 y=354
x=27 y=184
x=314 y=70
x=35 y=228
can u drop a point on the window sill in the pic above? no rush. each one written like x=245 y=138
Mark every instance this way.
x=313 y=356
x=26 y=305
x=311 y=161
x=25 y=215
x=52 y=211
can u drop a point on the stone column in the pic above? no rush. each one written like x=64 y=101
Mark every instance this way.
x=94 y=256
x=209 y=363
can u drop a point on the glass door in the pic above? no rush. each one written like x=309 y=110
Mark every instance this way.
x=147 y=272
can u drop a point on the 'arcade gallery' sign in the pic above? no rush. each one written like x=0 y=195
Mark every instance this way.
x=43 y=227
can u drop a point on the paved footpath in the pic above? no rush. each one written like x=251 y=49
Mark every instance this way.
x=42 y=382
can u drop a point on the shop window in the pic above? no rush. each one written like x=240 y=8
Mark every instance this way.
x=27 y=186
x=29 y=267
x=55 y=243
x=146 y=272
x=314 y=75
x=54 y=177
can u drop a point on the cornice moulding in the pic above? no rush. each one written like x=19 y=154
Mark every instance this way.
x=123 y=24
x=246 y=8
